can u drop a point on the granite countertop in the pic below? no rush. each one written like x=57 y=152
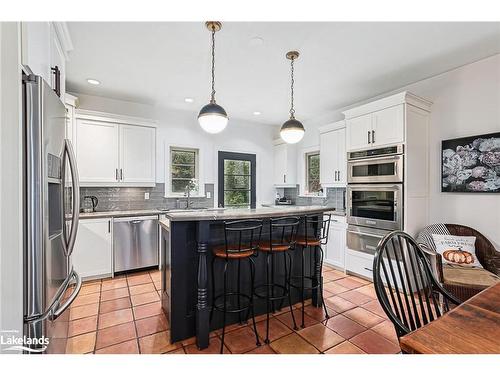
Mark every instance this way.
x=214 y=213
x=100 y=214
x=244 y=213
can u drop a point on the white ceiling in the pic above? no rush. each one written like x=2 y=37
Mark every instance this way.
x=340 y=63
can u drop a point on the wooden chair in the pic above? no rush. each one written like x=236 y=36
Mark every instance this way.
x=406 y=288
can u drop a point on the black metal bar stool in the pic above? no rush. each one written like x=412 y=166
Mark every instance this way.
x=241 y=241
x=282 y=237
x=316 y=228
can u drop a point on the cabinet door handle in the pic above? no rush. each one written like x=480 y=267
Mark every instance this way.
x=373 y=136
x=335 y=178
x=338 y=176
x=369 y=137
x=121 y=174
x=57 y=79
x=284 y=178
x=116 y=174
x=109 y=226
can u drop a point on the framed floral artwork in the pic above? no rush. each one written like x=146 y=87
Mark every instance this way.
x=471 y=164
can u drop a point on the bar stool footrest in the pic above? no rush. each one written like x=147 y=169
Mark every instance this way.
x=220 y=306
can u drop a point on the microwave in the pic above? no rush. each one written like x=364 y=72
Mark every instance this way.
x=383 y=165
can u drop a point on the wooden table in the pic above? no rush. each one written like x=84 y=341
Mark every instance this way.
x=471 y=328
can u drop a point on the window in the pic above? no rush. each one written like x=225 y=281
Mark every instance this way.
x=183 y=169
x=236 y=180
x=312 y=172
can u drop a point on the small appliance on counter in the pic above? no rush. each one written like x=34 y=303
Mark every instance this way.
x=89 y=203
x=282 y=200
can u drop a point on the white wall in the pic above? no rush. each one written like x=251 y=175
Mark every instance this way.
x=180 y=128
x=466 y=102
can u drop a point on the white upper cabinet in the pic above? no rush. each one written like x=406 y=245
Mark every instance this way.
x=45 y=46
x=97 y=151
x=382 y=122
x=332 y=155
x=285 y=164
x=359 y=132
x=137 y=154
x=376 y=129
x=388 y=126
x=114 y=150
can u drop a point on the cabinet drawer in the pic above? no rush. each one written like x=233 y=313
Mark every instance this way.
x=359 y=263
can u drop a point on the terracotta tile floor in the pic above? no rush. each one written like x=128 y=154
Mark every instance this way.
x=123 y=315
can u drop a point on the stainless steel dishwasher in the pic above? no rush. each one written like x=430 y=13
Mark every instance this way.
x=135 y=242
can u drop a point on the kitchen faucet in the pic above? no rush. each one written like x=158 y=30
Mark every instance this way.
x=187 y=193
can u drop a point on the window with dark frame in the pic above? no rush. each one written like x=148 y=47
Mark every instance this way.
x=237 y=180
x=183 y=168
x=312 y=172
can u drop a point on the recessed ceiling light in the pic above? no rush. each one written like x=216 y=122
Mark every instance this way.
x=93 y=81
x=256 y=41
x=257 y=113
x=188 y=100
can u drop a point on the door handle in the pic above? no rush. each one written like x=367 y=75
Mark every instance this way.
x=338 y=176
x=121 y=174
x=284 y=178
x=116 y=174
x=335 y=178
x=373 y=136
x=369 y=137
x=69 y=243
x=69 y=301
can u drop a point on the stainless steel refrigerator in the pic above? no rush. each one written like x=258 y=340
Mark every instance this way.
x=51 y=212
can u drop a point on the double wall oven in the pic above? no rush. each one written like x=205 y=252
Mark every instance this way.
x=374 y=196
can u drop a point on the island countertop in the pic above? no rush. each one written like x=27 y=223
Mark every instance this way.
x=244 y=213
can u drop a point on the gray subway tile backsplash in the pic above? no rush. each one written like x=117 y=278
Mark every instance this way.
x=335 y=197
x=132 y=198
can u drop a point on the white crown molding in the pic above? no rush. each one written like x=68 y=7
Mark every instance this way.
x=333 y=126
x=61 y=29
x=389 y=101
x=112 y=117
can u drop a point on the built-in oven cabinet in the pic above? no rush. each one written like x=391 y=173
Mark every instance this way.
x=285 y=164
x=332 y=155
x=336 y=246
x=115 y=151
x=380 y=128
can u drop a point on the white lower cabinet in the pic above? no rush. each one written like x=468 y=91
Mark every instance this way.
x=336 y=247
x=359 y=263
x=93 y=253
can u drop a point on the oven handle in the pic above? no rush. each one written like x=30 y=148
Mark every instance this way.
x=366 y=234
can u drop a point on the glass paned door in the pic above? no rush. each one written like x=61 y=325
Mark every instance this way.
x=236 y=180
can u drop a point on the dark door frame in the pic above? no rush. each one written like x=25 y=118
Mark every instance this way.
x=252 y=158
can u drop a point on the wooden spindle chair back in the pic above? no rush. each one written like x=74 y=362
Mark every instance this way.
x=405 y=286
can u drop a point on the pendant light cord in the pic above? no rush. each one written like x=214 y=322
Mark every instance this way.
x=292 y=110
x=212 y=100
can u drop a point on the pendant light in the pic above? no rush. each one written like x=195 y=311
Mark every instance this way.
x=212 y=117
x=292 y=131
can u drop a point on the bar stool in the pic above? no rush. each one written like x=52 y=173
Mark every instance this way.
x=241 y=241
x=313 y=238
x=282 y=237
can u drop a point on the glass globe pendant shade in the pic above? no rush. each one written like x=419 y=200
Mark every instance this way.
x=292 y=131
x=212 y=118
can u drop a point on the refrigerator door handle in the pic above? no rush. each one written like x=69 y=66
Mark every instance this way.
x=59 y=309
x=69 y=243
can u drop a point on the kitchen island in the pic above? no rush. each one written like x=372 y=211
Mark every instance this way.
x=186 y=240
